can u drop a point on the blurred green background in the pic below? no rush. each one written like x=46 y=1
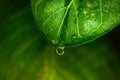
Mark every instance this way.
x=26 y=55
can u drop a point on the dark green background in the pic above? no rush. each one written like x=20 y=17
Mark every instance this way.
x=25 y=55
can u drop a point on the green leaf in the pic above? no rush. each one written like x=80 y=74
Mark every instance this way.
x=75 y=22
x=24 y=55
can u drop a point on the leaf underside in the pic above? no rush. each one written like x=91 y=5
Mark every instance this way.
x=74 y=22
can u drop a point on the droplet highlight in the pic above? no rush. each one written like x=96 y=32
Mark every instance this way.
x=74 y=37
x=60 y=50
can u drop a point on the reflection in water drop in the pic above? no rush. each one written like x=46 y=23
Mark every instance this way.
x=74 y=37
x=60 y=50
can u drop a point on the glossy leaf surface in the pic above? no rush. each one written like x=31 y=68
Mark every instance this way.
x=25 y=55
x=74 y=22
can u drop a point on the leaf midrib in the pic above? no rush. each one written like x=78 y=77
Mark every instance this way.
x=77 y=25
x=61 y=25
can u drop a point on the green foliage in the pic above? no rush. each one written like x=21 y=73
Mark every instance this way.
x=75 y=22
x=25 y=55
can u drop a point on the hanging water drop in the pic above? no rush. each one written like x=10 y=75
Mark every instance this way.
x=60 y=50
x=74 y=37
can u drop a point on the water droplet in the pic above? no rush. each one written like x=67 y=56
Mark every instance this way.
x=60 y=50
x=74 y=37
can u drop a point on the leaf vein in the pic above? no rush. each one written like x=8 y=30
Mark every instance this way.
x=53 y=15
x=67 y=8
x=77 y=18
x=36 y=6
x=101 y=15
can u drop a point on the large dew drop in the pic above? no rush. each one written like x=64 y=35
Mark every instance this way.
x=60 y=50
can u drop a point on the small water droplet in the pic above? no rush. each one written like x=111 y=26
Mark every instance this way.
x=60 y=50
x=74 y=37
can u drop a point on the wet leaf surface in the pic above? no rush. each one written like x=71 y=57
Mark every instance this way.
x=75 y=22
